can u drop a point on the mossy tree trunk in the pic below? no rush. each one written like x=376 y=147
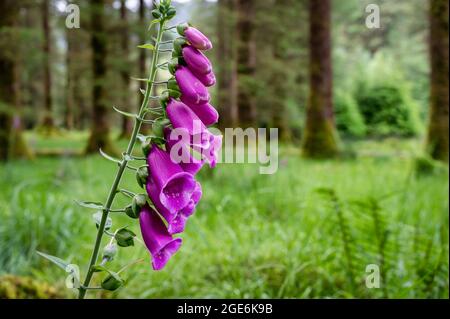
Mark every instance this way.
x=320 y=136
x=226 y=55
x=99 y=137
x=279 y=73
x=438 y=129
x=246 y=62
x=12 y=143
x=48 y=121
x=127 y=123
x=142 y=57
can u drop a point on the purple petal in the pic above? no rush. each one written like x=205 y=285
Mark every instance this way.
x=176 y=221
x=157 y=238
x=184 y=120
x=197 y=39
x=207 y=79
x=192 y=90
x=196 y=61
x=176 y=147
x=206 y=113
x=211 y=154
x=197 y=193
x=175 y=186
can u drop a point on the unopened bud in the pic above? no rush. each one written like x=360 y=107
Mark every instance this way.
x=164 y=99
x=172 y=65
x=181 y=28
x=178 y=45
x=142 y=175
x=137 y=203
x=130 y=213
x=146 y=145
x=110 y=251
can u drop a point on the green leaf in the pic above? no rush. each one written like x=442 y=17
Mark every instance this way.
x=99 y=268
x=154 y=21
x=98 y=218
x=147 y=46
x=124 y=237
x=92 y=205
x=127 y=114
x=108 y=157
x=57 y=261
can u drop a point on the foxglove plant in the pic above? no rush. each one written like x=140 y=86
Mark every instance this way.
x=171 y=190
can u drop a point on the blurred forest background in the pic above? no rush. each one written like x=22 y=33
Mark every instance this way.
x=363 y=121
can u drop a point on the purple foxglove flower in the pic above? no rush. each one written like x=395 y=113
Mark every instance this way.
x=211 y=154
x=186 y=122
x=192 y=90
x=197 y=39
x=196 y=61
x=206 y=113
x=176 y=222
x=182 y=150
x=207 y=79
x=175 y=186
x=156 y=237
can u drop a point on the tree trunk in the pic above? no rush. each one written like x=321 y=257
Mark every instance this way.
x=99 y=138
x=438 y=130
x=226 y=55
x=12 y=143
x=246 y=62
x=48 y=122
x=320 y=137
x=142 y=55
x=279 y=73
x=127 y=123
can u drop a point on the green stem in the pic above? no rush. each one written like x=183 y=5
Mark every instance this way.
x=123 y=165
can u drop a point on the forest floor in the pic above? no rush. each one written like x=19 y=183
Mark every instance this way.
x=308 y=231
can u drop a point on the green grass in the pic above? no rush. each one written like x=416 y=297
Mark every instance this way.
x=280 y=236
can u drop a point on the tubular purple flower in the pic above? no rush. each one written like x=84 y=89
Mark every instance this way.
x=206 y=113
x=175 y=186
x=197 y=39
x=207 y=79
x=192 y=90
x=184 y=120
x=157 y=238
x=196 y=61
x=176 y=147
x=176 y=222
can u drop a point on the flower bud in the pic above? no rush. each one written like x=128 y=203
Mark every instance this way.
x=158 y=127
x=137 y=203
x=173 y=85
x=146 y=145
x=171 y=13
x=130 y=213
x=110 y=251
x=172 y=65
x=181 y=28
x=141 y=176
x=197 y=39
x=156 y=14
x=178 y=45
x=164 y=99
